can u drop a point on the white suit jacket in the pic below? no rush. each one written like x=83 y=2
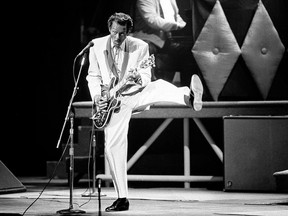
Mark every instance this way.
x=101 y=62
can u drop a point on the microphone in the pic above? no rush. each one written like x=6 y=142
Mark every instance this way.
x=86 y=48
x=99 y=184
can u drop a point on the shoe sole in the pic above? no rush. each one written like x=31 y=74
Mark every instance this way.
x=117 y=210
x=197 y=89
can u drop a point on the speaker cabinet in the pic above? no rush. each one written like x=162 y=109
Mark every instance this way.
x=255 y=147
x=8 y=182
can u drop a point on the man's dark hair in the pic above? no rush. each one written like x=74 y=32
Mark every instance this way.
x=122 y=19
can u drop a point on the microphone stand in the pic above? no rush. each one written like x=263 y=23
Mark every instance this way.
x=99 y=195
x=71 y=210
x=94 y=192
x=72 y=98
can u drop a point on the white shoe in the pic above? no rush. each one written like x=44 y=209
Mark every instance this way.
x=196 y=91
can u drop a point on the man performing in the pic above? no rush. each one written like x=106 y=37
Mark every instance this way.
x=118 y=56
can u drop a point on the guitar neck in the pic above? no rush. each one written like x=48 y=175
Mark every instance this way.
x=117 y=87
x=121 y=84
x=144 y=64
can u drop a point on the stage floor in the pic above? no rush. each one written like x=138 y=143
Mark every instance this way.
x=143 y=201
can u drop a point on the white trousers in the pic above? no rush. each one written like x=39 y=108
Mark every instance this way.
x=116 y=132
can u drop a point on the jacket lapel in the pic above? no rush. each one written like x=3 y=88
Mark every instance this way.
x=110 y=58
x=106 y=60
x=125 y=59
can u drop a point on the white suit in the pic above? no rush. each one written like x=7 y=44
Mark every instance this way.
x=100 y=72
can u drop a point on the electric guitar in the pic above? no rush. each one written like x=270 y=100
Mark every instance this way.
x=126 y=86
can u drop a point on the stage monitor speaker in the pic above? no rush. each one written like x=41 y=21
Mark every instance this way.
x=8 y=182
x=255 y=147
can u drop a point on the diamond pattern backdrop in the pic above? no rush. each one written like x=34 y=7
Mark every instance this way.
x=262 y=50
x=218 y=54
x=216 y=50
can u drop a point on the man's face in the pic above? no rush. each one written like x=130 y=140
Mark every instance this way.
x=118 y=33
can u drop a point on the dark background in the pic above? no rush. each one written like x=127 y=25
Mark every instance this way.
x=41 y=40
x=39 y=43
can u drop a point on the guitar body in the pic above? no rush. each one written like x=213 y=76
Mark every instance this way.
x=101 y=117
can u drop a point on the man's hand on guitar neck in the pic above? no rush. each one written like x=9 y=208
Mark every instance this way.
x=134 y=75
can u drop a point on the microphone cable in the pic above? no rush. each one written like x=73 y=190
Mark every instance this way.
x=50 y=179
x=88 y=166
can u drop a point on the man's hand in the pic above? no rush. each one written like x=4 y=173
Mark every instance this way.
x=133 y=74
x=101 y=102
x=180 y=25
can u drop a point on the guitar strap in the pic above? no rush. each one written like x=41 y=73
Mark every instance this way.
x=125 y=59
x=110 y=58
x=115 y=70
